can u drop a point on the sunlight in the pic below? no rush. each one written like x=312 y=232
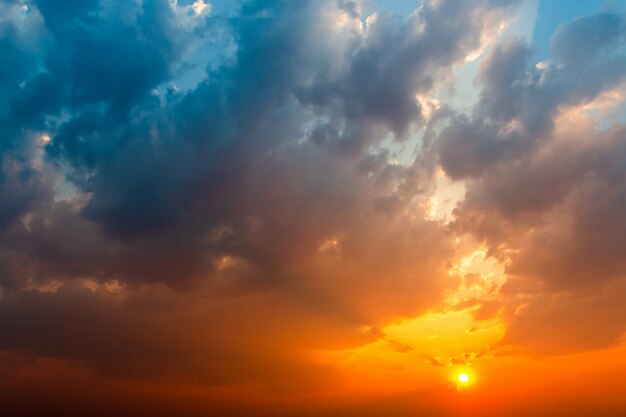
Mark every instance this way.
x=463 y=379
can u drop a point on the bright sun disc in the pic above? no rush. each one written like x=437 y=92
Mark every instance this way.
x=463 y=378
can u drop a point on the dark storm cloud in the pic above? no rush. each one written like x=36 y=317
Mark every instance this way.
x=257 y=179
x=107 y=54
x=20 y=186
x=164 y=170
x=69 y=59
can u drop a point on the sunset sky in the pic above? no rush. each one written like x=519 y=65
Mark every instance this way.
x=318 y=208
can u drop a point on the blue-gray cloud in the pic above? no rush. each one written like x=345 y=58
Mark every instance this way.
x=543 y=195
x=263 y=175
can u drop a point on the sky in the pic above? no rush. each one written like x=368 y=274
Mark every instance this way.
x=314 y=208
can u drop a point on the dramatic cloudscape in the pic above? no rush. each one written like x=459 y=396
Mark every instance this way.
x=319 y=208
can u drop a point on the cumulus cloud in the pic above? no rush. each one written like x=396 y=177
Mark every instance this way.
x=519 y=100
x=256 y=177
x=216 y=193
x=546 y=181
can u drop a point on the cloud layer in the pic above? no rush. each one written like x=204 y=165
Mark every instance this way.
x=211 y=194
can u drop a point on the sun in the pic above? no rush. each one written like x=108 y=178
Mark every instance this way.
x=463 y=378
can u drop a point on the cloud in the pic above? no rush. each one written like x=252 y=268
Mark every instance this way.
x=545 y=183
x=519 y=102
x=234 y=204
x=588 y=37
x=165 y=170
x=20 y=185
x=569 y=322
x=254 y=189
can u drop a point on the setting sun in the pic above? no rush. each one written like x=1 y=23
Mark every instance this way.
x=463 y=378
